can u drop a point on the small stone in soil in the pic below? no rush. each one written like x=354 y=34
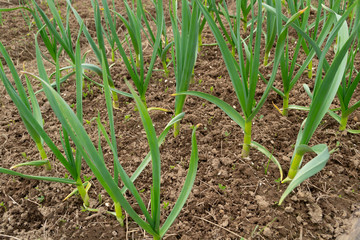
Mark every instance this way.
x=263 y=204
x=267 y=232
x=289 y=209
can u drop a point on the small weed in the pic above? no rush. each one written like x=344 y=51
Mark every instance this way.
x=127 y=118
x=25 y=156
x=89 y=85
x=222 y=187
x=89 y=88
x=226 y=133
x=165 y=205
x=2 y=204
x=41 y=199
x=210 y=120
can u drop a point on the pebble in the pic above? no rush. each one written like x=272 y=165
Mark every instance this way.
x=263 y=204
x=225 y=223
x=286 y=158
x=267 y=232
x=289 y=209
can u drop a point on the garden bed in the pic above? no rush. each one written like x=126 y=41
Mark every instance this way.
x=232 y=197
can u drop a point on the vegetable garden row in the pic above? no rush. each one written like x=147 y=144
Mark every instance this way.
x=335 y=27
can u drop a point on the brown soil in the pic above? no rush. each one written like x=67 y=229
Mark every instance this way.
x=324 y=207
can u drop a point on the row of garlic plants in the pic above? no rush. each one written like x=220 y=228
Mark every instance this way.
x=334 y=26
